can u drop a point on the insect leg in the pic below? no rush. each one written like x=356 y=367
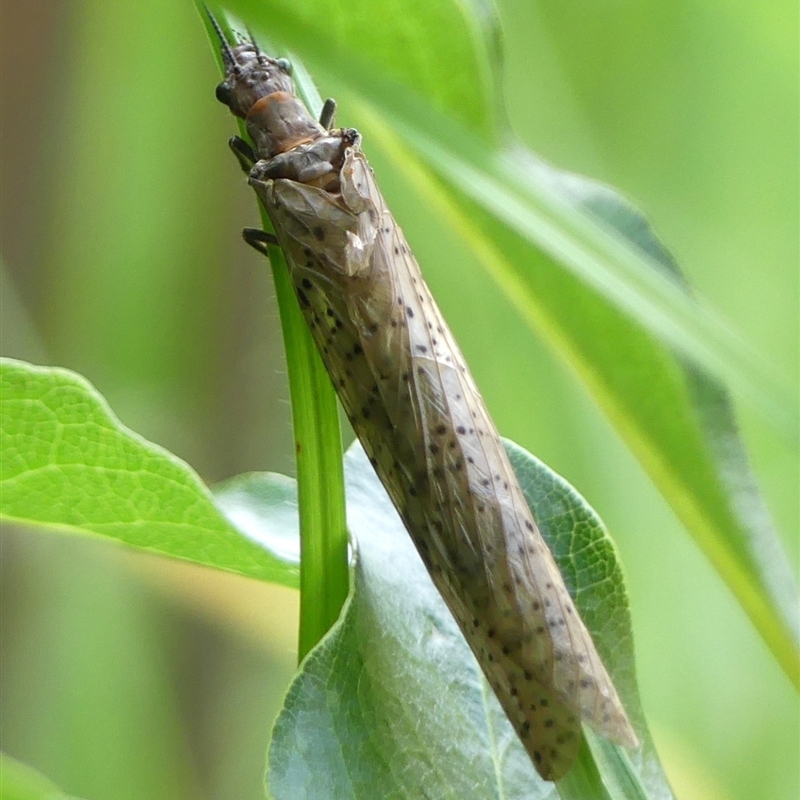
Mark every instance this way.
x=243 y=152
x=327 y=114
x=258 y=239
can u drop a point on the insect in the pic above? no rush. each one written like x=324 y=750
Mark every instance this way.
x=403 y=383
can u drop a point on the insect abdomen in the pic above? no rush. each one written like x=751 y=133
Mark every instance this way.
x=412 y=402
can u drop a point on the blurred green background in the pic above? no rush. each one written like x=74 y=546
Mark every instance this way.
x=124 y=676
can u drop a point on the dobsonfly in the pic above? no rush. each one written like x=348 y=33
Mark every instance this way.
x=412 y=402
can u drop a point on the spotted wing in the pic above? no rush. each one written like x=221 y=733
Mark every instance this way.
x=409 y=395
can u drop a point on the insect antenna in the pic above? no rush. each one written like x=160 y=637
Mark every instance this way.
x=227 y=53
x=259 y=55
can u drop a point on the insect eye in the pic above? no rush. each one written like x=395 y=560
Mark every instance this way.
x=285 y=65
x=224 y=94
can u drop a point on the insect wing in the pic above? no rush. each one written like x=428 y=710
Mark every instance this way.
x=407 y=391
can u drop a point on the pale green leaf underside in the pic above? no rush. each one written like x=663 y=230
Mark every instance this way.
x=67 y=462
x=392 y=703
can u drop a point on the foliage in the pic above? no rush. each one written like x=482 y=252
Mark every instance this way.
x=510 y=246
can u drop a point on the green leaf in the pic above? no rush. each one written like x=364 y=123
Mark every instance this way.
x=264 y=510
x=18 y=781
x=67 y=462
x=676 y=419
x=392 y=703
x=585 y=272
x=445 y=51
